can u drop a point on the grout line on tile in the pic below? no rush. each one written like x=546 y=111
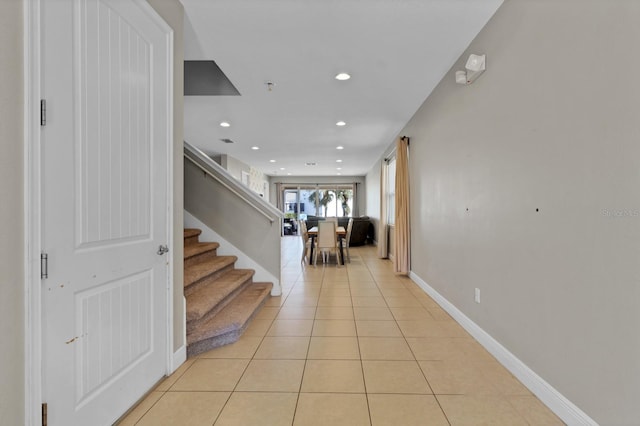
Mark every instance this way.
x=442 y=409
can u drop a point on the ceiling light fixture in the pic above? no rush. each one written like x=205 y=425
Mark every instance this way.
x=476 y=64
x=343 y=76
x=338 y=161
x=339 y=174
x=255 y=148
x=281 y=168
x=341 y=123
x=338 y=168
x=272 y=161
x=340 y=147
x=225 y=124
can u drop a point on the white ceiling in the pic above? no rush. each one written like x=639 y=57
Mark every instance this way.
x=395 y=50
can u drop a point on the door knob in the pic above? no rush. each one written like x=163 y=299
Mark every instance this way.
x=162 y=250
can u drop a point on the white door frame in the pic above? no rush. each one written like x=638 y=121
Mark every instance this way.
x=33 y=397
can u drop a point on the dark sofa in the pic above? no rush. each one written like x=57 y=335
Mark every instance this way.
x=361 y=233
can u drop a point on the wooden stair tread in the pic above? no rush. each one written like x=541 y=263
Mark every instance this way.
x=207 y=267
x=205 y=299
x=234 y=317
x=192 y=250
x=191 y=232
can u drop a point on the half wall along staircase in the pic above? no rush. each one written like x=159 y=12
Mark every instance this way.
x=221 y=300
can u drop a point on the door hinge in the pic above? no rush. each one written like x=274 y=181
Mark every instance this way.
x=43 y=112
x=44 y=266
x=44 y=414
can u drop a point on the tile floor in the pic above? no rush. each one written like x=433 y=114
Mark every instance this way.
x=353 y=345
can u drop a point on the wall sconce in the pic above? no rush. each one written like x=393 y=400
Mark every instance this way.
x=476 y=64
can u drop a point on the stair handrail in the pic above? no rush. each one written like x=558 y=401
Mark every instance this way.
x=216 y=171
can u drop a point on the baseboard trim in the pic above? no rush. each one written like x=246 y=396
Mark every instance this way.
x=179 y=357
x=558 y=403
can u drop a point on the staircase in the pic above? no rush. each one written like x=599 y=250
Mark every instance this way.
x=221 y=300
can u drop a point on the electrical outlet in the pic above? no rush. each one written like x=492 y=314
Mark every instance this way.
x=477 y=296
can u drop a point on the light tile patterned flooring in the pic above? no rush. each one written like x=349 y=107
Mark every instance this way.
x=353 y=345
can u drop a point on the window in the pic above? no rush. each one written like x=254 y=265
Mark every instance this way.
x=340 y=202
x=290 y=201
x=391 y=191
x=320 y=200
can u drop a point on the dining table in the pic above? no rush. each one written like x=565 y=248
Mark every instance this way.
x=341 y=232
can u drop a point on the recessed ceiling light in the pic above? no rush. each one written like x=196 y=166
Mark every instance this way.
x=341 y=123
x=255 y=148
x=338 y=161
x=272 y=161
x=338 y=168
x=340 y=147
x=288 y=174
x=343 y=76
x=225 y=124
x=338 y=173
x=281 y=168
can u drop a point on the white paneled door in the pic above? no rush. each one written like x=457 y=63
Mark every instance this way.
x=106 y=79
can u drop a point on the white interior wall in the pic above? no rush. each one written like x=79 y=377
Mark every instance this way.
x=525 y=185
x=12 y=263
x=172 y=12
x=234 y=166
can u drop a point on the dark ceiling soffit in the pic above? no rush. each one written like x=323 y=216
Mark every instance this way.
x=205 y=78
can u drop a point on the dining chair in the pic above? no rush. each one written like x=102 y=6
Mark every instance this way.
x=326 y=241
x=347 y=239
x=306 y=242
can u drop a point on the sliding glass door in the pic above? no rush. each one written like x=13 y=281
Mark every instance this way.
x=319 y=200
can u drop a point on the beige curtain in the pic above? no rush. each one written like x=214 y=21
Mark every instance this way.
x=355 y=212
x=383 y=250
x=402 y=238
